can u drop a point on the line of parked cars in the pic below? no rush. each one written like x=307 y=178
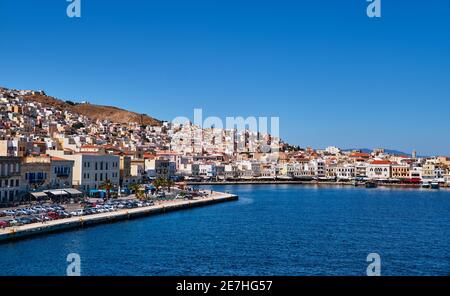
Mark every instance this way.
x=40 y=209
x=36 y=214
x=111 y=206
x=43 y=213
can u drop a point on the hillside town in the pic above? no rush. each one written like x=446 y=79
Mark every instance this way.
x=48 y=150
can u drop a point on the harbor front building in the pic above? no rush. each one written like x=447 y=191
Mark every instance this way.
x=91 y=170
x=10 y=186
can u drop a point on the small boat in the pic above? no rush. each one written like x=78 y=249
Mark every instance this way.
x=426 y=185
x=371 y=184
x=434 y=185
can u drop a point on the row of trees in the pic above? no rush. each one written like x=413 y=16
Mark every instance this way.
x=137 y=189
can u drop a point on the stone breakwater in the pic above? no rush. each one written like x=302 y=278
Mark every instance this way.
x=25 y=231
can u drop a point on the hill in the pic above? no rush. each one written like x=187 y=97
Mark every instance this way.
x=96 y=112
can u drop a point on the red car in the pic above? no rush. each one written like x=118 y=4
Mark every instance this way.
x=4 y=224
x=53 y=215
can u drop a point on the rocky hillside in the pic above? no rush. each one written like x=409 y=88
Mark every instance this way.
x=96 y=112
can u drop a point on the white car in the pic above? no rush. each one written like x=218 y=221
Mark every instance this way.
x=78 y=213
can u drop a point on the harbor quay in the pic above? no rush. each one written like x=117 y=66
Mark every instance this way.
x=310 y=183
x=25 y=231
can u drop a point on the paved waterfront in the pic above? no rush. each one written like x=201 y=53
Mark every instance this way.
x=159 y=207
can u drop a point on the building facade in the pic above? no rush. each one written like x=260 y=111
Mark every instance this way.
x=10 y=185
x=90 y=171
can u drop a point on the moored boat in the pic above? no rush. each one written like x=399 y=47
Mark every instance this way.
x=371 y=184
x=434 y=185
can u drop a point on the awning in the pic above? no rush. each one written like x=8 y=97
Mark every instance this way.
x=57 y=192
x=72 y=191
x=39 y=194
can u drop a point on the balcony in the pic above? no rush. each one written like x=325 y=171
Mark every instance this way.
x=63 y=175
x=36 y=181
x=9 y=175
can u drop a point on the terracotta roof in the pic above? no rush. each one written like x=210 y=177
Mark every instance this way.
x=381 y=162
x=149 y=156
x=90 y=146
x=359 y=154
x=54 y=158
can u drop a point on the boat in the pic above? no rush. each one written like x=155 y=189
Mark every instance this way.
x=371 y=184
x=434 y=185
x=426 y=185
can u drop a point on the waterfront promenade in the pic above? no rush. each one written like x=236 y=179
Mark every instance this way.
x=20 y=232
x=300 y=182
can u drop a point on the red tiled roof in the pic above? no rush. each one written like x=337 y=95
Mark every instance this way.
x=54 y=158
x=381 y=162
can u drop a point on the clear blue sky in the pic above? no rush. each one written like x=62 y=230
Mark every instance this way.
x=332 y=75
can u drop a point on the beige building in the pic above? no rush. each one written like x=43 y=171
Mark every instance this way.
x=91 y=170
x=160 y=168
x=61 y=172
x=428 y=171
x=125 y=170
x=400 y=171
x=36 y=173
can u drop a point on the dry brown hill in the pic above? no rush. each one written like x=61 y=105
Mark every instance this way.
x=96 y=112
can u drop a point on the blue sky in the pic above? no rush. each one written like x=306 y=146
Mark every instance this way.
x=332 y=75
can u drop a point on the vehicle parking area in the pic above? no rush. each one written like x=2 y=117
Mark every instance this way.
x=48 y=212
x=42 y=213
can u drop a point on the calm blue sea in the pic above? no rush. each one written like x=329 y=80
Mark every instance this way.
x=271 y=230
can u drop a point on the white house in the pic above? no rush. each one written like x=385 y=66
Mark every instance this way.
x=379 y=169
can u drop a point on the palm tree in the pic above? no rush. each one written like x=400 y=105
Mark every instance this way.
x=137 y=190
x=158 y=183
x=169 y=183
x=108 y=186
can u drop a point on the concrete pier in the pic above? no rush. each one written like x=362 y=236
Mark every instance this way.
x=25 y=231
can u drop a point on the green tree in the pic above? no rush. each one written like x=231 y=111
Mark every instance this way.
x=108 y=186
x=137 y=190
x=158 y=183
x=169 y=183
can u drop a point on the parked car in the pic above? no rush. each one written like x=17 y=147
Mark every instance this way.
x=24 y=221
x=53 y=215
x=20 y=212
x=77 y=213
x=4 y=224
x=63 y=214
x=14 y=222
x=8 y=212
